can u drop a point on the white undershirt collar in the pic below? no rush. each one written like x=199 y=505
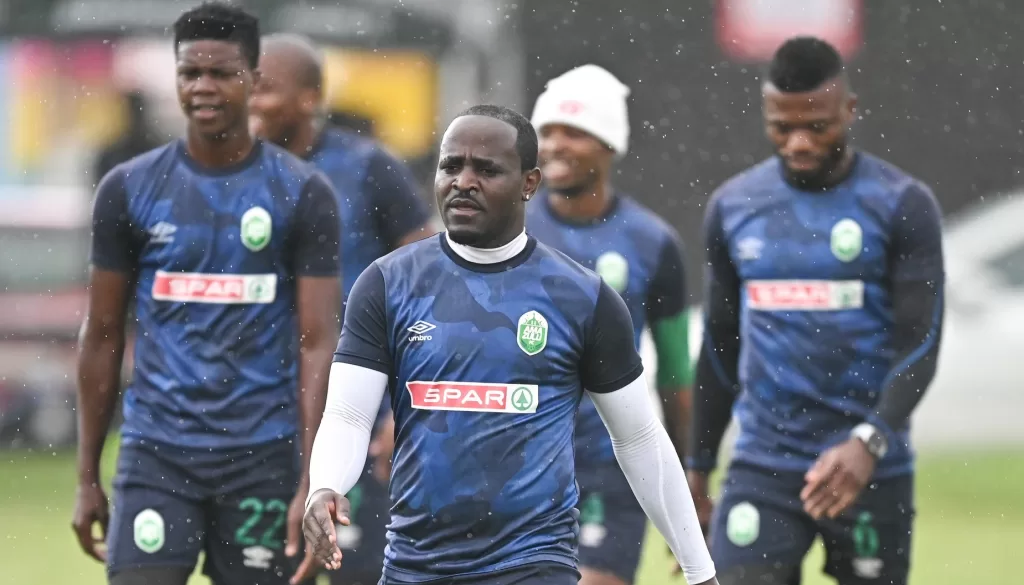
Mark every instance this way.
x=489 y=255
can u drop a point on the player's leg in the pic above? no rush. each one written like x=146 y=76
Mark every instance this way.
x=155 y=532
x=870 y=543
x=759 y=533
x=362 y=543
x=612 y=526
x=247 y=525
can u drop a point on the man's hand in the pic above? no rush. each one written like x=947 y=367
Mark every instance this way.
x=326 y=509
x=91 y=508
x=382 y=449
x=836 y=479
x=307 y=569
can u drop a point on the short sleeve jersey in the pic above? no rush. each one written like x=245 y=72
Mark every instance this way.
x=215 y=256
x=487 y=366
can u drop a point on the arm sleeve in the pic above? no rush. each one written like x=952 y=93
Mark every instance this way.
x=666 y=313
x=649 y=462
x=918 y=281
x=113 y=246
x=610 y=360
x=715 y=385
x=364 y=332
x=354 y=395
x=317 y=230
x=391 y=185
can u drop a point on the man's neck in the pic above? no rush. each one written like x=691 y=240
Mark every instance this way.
x=229 y=149
x=588 y=205
x=306 y=136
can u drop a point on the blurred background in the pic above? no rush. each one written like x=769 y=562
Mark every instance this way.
x=86 y=84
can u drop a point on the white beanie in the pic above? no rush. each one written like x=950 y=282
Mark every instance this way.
x=591 y=99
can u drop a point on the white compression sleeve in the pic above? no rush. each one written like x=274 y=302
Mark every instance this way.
x=354 y=395
x=650 y=464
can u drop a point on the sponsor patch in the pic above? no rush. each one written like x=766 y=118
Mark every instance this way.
x=805 y=295
x=225 y=289
x=473 y=396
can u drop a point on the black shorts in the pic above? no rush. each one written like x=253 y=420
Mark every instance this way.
x=612 y=523
x=170 y=503
x=535 y=574
x=760 y=525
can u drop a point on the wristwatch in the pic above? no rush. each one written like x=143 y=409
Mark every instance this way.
x=872 y=438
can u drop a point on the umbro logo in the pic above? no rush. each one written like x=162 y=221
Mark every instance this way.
x=162 y=233
x=419 y=328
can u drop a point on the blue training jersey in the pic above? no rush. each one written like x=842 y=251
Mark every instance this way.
x=815 y=271
x=376 y=198
x=487 y=366
x=636 y=254
x=214 y=254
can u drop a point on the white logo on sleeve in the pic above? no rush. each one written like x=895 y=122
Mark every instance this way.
x=419 y=329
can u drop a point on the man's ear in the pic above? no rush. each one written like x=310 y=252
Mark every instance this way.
x=311 y=101
x=531 y=182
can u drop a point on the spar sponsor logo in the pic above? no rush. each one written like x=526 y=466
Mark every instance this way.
x=474 y=396
x=223 y=289
x=805 y=295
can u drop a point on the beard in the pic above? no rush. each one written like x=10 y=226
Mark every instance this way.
x=823 y=177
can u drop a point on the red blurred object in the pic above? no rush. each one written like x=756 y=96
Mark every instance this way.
x=751 y=30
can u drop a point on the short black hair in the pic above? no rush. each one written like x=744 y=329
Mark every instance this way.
x=220 y=21
x=526 y=136
x=804 y=64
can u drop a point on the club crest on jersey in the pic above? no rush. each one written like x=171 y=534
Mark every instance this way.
x=532 y=333
x=613 y=268
x=847 y=240
x=256 y=229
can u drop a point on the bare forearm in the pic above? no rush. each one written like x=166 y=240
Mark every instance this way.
x=676 y=404
x=313 y=373
x=99 y=368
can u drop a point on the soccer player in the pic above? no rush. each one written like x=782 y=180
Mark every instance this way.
x=488 y=340
x=582 y=121
x=230 y=248
x=824 y=313
x=380 y=211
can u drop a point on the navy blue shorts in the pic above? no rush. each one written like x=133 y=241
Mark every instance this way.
x=760 y=528
x=171 y=503
x=535 y=574
x=612 y=523
x=362 y=543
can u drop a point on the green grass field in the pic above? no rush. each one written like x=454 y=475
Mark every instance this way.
x=970 y=523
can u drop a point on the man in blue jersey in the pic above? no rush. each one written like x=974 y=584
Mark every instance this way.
x=582 y=121
x=230 y=248
x=488 y=340
x=380 y=212
x=824 y=313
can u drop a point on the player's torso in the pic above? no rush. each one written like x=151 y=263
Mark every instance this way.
x=816 y=314
x=344 y=159
x=485 y=390
x=215 y=300
x=623 y=248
